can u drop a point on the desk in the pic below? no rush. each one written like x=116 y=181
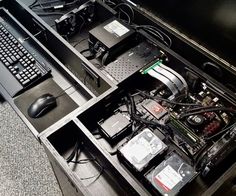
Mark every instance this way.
x=91 y=101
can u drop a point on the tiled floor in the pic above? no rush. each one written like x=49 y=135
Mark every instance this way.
x=24 y=167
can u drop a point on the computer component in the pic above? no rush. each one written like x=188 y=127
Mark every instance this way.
x=166 y=81
x=197 y=120
x=156 y=110
x=115 y=126
x=142 y=149
x=185 y=138
x=218 y=152
x=170 y=176
x=173 y=80
x=152 y=111
x=76 y=19
x=42 y=105
x=174 y=76
x=111 y=38
x=19 y=69
x=132 y=61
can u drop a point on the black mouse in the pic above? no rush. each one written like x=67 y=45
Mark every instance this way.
x=42 y=105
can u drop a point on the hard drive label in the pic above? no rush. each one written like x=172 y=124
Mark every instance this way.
x=116 y=28
x=168 y=178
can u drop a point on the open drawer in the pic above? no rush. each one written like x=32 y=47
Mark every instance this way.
x=142 y=132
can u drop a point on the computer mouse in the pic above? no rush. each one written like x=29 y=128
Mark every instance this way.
x=42 y=105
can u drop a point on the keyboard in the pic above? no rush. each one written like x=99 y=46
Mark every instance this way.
x=18 y=68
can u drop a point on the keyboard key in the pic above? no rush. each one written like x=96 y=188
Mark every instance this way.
x=20 y=53
x=33 y=76
x=18 y=76
x=16 y=68
x=25 y=82
x=9 y=60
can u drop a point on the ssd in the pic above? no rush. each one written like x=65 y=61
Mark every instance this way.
x=171 y=175
x=115 y=126
x=141 y=149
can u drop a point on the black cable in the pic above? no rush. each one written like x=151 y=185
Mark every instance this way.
x=207 y=110
x=36 y=34
x=85 y=78
x=78 y=42
x=82 y=24
x=99 y=52
x=135 y=117
x=40 y=4
x=96 y=175
x=74 y=151
x=159 y=31
x=32 y=4
x=72 y=3
x=104 y=58
x=132 y=105
x=83 y=161
x=64 y=91
x=54 y=6
x=89 y=57
x=157 y=98
x=156 y=32
x=127 y=5
x=126 y=14
x=219 y=133
x=183 y=145
x=199 y=108
x=199 y=159
x=53 y=25
x=108 y=2
x=134 y=130
x=49 y=14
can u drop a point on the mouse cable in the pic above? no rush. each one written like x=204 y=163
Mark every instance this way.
x=64 y=91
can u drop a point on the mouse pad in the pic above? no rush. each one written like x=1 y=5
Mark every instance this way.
x=65 y=104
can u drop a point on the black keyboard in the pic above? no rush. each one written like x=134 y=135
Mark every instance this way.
x=18 y=68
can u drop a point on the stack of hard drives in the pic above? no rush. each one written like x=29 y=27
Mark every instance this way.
x=146 y=156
